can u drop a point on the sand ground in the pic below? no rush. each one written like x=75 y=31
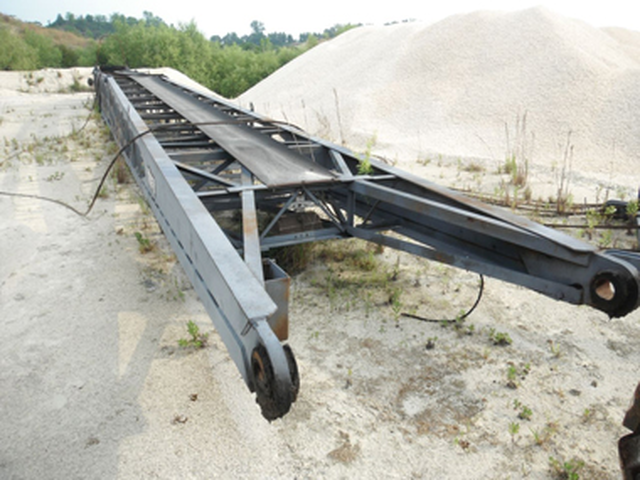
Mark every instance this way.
x=94 y=385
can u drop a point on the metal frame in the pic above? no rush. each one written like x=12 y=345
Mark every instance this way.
x=203 y=160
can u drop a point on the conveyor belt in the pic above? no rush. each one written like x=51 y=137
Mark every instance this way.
x=271 y=162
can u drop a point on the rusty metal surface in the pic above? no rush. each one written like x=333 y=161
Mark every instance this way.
x=277 y=284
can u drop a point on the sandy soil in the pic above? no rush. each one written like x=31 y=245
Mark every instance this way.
x=94 y=385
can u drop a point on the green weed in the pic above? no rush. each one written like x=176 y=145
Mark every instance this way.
x=144 y=244
x=499 y=338
x=196 y=339
x=566 y=470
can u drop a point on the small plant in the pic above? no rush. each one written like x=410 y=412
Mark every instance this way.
x=144 y=244
x=563 y=195
x=364 y=167
x=500 y=338
x=473 y=167
x=120 y=172
x=55 y=177
x=396 y=304
x=196 y=339
x=514 y=428
x=554 y=349
x=513 y=373
x=567 y=470
x=542 y=437
x=606 y=239
x=519 y=152
x=77 y=87
x=525 y=412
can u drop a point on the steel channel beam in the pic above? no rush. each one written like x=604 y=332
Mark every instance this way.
x=235 y=300
x=475 y=222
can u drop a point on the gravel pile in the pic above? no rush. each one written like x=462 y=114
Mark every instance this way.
x=472 y=85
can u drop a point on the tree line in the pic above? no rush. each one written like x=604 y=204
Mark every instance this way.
x=228 y=65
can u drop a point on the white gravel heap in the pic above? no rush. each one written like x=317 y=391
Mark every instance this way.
x=455 y=87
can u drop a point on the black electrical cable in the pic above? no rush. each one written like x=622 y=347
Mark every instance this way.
x=451 y=320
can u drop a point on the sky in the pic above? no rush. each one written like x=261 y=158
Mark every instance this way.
x=216 y=17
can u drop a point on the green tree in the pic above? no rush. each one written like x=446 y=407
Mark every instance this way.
x=48 y=54
x=15 y=53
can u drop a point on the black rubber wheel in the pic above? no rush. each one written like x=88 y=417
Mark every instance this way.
x=293 y=368
x=274 y=400
x=624 y=289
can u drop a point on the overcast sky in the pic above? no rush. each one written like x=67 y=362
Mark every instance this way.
x=294 y=17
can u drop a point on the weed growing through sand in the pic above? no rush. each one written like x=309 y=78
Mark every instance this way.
x=519 y=152
x=396 y=304
x=120 y=172
x=196 y=339
x=54 y=177
x=606 y=239
x=459 y=325
x=499 y=338
x=566 y=469
x=514 y=373
x=542 y=437
x=144 y=244
x=514 y=428
x=563 y=196
x=364 y=167
x=524 y=412
x=144 y=206
x=554 y=348
x=473 y=167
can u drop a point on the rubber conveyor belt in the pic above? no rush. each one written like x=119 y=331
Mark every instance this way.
x=271 y=162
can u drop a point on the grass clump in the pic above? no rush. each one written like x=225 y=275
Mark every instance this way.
x=144 y=244
x=196 y=339
x=566 y=470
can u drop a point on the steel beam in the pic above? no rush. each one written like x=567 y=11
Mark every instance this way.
x=236 y=301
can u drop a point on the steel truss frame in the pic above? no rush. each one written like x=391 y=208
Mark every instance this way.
x=202 y=162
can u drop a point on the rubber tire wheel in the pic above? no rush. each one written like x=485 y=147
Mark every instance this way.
x=273 y=404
